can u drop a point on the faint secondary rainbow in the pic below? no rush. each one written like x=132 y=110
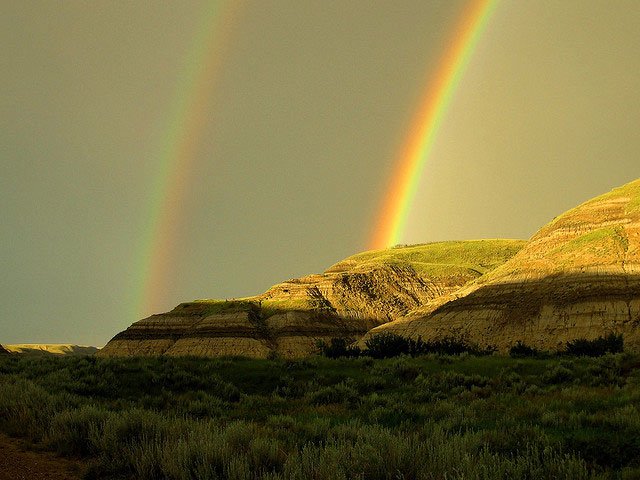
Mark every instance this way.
x=411 y=161
x=188 y=115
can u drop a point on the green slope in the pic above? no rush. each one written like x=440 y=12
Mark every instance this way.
x=438 y=258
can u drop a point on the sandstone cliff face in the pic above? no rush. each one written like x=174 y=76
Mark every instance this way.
x=578 y=277
x=349 y=299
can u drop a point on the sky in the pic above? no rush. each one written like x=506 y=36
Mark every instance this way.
x=293 y=113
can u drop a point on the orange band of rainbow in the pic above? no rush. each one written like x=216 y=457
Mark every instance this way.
x=411 y=161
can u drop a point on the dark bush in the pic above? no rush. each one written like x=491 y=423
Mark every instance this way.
x=612 y=343
x=603 y=445
x=557 y=374
x=451 y=346
x=387 y=345
x=338 y=347
x=521 y=350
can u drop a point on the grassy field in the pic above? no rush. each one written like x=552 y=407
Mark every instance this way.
x=431 y=417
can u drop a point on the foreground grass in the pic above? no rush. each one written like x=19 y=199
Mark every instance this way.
x=404 y=418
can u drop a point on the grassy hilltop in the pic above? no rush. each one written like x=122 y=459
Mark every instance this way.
x=436 y=258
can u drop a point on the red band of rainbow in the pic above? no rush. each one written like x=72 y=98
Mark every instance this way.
x=411 y=161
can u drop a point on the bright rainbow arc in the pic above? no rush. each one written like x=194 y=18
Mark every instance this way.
x=410 y=164
x=189 y=117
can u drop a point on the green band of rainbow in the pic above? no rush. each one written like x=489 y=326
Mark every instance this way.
x=188 y=116
x=411 y=161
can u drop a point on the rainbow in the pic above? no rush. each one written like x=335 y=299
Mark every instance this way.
x=188 y=117
x=411 y=161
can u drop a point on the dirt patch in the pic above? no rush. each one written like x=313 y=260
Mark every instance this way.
x=18 y=463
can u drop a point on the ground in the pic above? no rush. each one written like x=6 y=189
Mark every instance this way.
x=18 y=463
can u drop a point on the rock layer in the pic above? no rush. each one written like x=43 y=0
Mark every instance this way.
x=578 y=277
x=349 y=299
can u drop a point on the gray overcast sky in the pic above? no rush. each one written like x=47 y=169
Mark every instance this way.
x=307 y=114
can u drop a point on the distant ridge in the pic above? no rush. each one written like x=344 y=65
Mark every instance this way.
x=578 y=277
x=347 y=300
x=3 y=351
x=51 y=349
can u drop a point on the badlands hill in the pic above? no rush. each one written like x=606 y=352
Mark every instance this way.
x=578 y=277
x=51 y=349
x=347 y=300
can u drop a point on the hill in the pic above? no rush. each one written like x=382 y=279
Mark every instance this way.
x=51 y=349
x=578 y=277
x=347 y=300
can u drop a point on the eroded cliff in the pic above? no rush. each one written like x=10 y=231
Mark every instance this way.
x=578 y=277
x=350 y=298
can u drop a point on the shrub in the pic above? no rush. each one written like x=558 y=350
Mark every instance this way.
x=339 y=393
x=338 y=347
x=448 y=382
x=452 y=346
x=557 y=374
x=386 y=345
x=26 y=409
x=380 y=454
x=611 y=343
x=414 y=418
x=606 y=370
x=521 y=350
x=71 y=430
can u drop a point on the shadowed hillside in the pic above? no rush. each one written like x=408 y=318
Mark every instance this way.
x=3 y=351
x=350 y=298
x=578 y=277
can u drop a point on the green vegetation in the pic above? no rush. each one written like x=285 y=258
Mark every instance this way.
x=522 y=350
x=273 y=306
x=389 y=345
x=605 y=239
x=611 y=343
x=580 y=347
x=426 y=417
x=339 y=347
x=439 y=258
